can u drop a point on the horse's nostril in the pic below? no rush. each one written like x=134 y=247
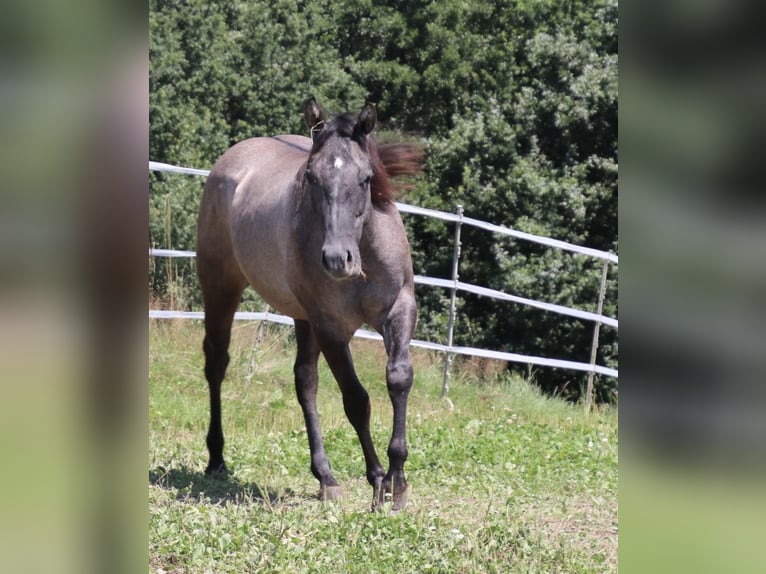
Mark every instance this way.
x=338 y=262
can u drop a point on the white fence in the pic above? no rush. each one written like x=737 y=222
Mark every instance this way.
x=454 y=285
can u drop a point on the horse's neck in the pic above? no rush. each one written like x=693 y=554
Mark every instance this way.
x=384 y=242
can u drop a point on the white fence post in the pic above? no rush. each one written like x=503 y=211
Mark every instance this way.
x=594 y=345
x=451 y=324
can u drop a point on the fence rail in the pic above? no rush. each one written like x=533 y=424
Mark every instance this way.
x=444 y=216
x=364 y=334
x=453 y=284
x=461 y=286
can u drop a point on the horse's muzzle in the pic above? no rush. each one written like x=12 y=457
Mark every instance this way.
x=340 y=263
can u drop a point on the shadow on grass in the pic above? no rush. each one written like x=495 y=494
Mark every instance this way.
x=194 y=486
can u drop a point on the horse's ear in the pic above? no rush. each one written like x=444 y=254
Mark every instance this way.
x=368 y=117
x=313 y=115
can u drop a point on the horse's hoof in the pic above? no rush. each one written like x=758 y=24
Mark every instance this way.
x=399 y=500
x=330 y=493
x=217 y=470
x=385 y=500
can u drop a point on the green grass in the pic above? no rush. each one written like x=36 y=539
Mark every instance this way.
x=502 y=480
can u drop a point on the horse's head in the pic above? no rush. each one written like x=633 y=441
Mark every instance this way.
x=339 y=173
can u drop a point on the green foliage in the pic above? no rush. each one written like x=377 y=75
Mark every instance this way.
x=517 y=101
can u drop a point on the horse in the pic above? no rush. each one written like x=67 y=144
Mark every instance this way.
x=311 y=225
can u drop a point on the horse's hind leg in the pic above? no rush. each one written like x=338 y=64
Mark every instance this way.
x=222 y=288
x=306 y=383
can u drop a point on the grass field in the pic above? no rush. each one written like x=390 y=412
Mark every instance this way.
x=504 y=481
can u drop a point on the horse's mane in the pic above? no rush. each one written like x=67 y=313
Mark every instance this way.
x=390 y=161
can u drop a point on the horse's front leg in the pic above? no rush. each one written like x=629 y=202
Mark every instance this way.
x=397 y=333
x=306 y=383
x=356 y=404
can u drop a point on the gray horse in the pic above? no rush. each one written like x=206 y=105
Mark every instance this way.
x=310 y=223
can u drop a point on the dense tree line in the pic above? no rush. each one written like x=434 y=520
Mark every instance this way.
x=516 y=102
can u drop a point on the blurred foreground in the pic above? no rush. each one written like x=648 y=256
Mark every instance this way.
x=73 y=306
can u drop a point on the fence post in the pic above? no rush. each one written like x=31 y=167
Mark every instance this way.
x=594 y=345
x=451 y=324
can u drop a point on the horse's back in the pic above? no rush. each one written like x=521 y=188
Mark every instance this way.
x=268 y=159
x=263 y=153
x=245 y=218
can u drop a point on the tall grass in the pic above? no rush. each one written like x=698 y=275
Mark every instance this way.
x=503 y=480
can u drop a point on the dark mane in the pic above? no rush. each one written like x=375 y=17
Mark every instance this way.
x=342 y=125
x=389 y=162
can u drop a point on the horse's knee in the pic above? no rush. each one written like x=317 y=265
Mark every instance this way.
x=216 y=360
x=399 y=377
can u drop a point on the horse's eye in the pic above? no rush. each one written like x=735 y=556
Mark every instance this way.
x=313 y=180
x=366 y=182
